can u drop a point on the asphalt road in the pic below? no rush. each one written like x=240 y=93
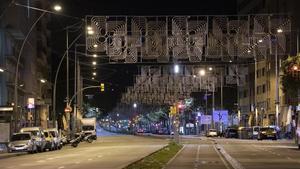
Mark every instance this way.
x=220 y=153
x=111 y=152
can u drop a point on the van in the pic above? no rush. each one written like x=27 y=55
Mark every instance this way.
x=38 y=136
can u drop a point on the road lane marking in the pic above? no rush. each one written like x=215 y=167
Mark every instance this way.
x=233 y=162
x=41 y=161
x=173 y=158
x=220 y=156
x=61 y=167
x=197 y=158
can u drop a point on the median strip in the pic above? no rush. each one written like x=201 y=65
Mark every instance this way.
x=157 y=159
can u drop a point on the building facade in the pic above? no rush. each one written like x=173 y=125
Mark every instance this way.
x=258 y=97
x=34 y=73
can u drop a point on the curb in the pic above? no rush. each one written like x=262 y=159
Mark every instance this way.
x=9 y=155
x=140 y=159
x=174 y=156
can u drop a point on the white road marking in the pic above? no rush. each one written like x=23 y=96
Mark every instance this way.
x=172 y=159
x=233 y=162
x=222 y=159
x=197 y=158
x=61 y=167
x=90 y=159
x=41 y=161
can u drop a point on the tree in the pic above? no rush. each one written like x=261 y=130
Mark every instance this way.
x=290 y=78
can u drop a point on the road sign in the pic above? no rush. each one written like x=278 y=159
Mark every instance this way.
x=30 y=103
x=206 y=119
x=220 y=116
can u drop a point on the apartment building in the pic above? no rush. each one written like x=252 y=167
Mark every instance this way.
x=34 y=69
x=258 y=96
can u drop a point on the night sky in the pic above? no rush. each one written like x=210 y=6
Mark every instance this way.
x=115 y=77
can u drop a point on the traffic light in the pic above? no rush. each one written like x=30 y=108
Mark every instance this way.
x=173 y=110
x=102 y=87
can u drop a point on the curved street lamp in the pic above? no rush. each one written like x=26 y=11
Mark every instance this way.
x=18 y=60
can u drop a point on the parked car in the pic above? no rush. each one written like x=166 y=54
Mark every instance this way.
x=298 y=130
x=212 y=133
x=50 y=144
x=267 y=133
x=140 y=130
x=255 y=130
x=22 y=142
x=57 y=139
x=38 y=135
x=231 y=133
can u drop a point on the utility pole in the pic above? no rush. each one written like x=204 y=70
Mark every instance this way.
x=221 y=77
x=255 y=91
x=276 y=85
x=67 y=98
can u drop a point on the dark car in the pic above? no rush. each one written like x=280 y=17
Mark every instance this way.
x=267 y=133
x=231 y=133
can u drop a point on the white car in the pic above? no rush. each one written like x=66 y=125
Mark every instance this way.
x=22 y=142
x=212 y=133
x=255 y=132
x=38 y=135
x=56 y=137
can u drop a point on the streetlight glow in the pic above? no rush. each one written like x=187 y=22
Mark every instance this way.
x=42 y=80
x=94 y=73
x=249 y=51
x=95 y=45
x=176 y=69
x=90 y=32
x=89 y=28
x=94 y=63
x=1 y=70
x=134 y=105
x=194 y=76
x=210 y=68
x=260 y=40
x=279 y=30
x=295 y=67
x=57 y=8
x=202 y=72
x=93 y=78
x=94 y=55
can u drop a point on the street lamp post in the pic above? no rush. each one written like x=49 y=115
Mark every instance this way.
x=17 y=72
x=276 y=86
x=15 y=114
x=56 y=76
